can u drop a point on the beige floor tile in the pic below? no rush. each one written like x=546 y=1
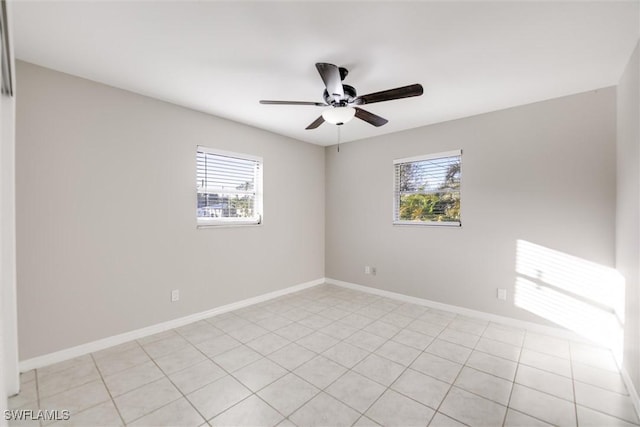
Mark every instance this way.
x=76 y=362
x=556 y=365
x=546 y=344
x=591 y=418
x=413 y=339
x=394 y=409
x=178 y=360
x=197 y=376
x=514 y=337
x=610 y=403
x=77 y=399
x=547 y=382
x=248 y=333
x=450 y=351
x=218 y=345
x=500 y=349
x=237 y=358
x=132 y=378
x=268 y=343
x=339 y=330
x=179 y=413
x=294 y=331
x=259 y=374
x=382 y=329
x=472 y=409
x=379 y=369
x=63 y=380
x=320 y=371
x=397 y=352
x=364 y=421
x=165 y=346
x=469 y=325
x=365 y=340
x=199 y=331
x=102 y=415
x=218 y=396
x=543 y=406
x=485 y=385
x=112 y=363
x=356 y=391
x=324 y=410
x=459 y=337
x=437 y=367
x=423 y=388
x=345 y=354
x=602 y=378
x=250 y=412
x=518 y=419
x=317 y=342
x=145 y=399
x=497 y=366
x=292 y=356
x=288 y=394
x=441 y=420
x=28 y=394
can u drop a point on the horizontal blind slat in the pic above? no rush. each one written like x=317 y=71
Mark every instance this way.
x=226 y=187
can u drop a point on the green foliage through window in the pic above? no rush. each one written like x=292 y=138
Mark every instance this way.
x=428 y=190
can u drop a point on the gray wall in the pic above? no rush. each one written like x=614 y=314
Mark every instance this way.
x=106 y=213
x=543 y=173
x=628 y=208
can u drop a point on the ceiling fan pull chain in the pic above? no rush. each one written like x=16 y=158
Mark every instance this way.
x=338 y=138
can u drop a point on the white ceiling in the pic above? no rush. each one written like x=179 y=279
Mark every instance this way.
x=222 y=57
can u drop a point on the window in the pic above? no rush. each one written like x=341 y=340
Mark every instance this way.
x=229 y=188
x=427 y=189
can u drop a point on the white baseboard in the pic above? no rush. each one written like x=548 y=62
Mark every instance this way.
x=509 y=321
x=101 y=344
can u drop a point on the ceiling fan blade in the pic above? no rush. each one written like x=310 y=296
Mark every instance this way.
x=371 y=118
x=319 y=104
x=388 y=95
x=331 y=77
x=317 y=122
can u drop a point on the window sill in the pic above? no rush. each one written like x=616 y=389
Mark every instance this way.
x=230 y=224
x=428 y=224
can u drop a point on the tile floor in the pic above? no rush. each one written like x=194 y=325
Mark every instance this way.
x=329 y=356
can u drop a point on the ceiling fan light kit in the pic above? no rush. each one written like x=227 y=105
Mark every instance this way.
x=340 y=97
x=338 y=115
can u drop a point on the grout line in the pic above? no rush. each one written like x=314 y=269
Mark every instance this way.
x=172 y=383
x=451 y=384
x=513 y=383
x=573 y=385
x=35 y=372
x=113 y=402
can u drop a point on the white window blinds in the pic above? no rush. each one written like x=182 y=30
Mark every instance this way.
x=229 y=187
x=427 y=189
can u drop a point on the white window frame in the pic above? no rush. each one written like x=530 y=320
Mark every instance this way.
x=203 y=222
x=396 y=194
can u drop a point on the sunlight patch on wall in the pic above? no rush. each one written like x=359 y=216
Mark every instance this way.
x=580 y=295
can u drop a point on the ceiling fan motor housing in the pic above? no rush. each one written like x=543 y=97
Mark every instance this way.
x=349 y=95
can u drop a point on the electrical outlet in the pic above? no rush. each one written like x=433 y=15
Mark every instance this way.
x=175 y=295
x=367 y=269
x=502 y=294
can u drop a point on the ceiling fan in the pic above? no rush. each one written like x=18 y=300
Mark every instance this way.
x=344 y=101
